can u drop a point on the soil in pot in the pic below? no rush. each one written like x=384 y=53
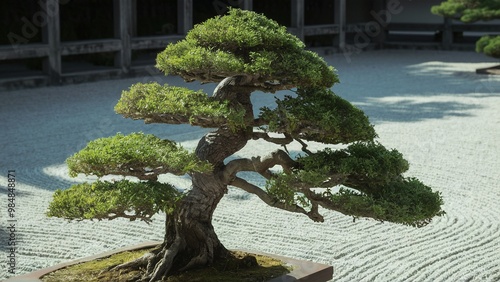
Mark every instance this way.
x=241 y=265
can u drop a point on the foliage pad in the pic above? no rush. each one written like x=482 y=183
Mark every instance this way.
x=136 y=154
x=374 y=174
x=153 y=102
x=108 y=200
x=248 y=44
x=319 y=115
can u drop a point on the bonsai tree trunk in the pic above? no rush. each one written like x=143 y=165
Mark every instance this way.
x=190 y=240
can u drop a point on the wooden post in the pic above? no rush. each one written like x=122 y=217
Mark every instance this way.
x=340 y=20
x=184 y=16
x=123 y=29
x=298 y=18
x=133 y=28
x=51 y=35
x=246 y=5
x=380 y=38
x=447 y=39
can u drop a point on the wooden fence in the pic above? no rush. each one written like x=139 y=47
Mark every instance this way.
x=344 y=33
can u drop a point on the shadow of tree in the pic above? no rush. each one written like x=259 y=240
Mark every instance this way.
x=405 y=86
x=410 y=110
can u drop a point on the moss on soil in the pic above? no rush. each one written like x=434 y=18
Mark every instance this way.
x=241 y=267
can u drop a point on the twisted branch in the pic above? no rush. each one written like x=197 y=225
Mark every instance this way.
x=259 y=165
x=250 y=188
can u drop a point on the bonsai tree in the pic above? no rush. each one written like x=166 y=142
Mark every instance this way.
x=469 y=11
x=242 y=52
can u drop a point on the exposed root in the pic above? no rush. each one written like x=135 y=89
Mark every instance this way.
x=164 y=265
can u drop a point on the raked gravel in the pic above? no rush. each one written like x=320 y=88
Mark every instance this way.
x=430 y=105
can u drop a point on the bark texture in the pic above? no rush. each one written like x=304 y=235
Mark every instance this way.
x=190 y=240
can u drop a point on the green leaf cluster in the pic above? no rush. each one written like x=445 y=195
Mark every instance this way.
x=469 y=10
x=245 y=43
x=407 y=201
x=107 y=200
x=122 y=154
x=489 y=45
x=366 y=166
x=319 y=115
x=381 y=191
x=159 y=103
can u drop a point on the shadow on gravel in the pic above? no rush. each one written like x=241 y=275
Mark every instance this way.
x=412 y=86
x=404 y=110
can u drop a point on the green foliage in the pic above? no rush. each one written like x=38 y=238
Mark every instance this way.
x=404 y=201
x=319 y=115
x=123 y=155
x=241 y=31
x=170 y=104
x=366 y=166
x=369 y=165
x=469 y=10
x=381 y=191
x=489 y=45
x=245 y=43
x=107 y=200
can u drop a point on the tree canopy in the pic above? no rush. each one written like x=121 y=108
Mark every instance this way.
x=469 y=11
x=242 y=52
x=245 y=44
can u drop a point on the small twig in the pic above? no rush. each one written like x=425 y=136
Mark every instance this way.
x=304 y=146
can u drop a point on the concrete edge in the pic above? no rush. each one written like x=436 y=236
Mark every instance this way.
x=303 y=271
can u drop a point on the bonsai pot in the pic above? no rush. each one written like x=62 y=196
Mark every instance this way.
x=303 y=271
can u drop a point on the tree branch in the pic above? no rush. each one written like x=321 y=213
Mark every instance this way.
x=250 y=188
x=280 y=141
x=304 y=146
x=259 y=165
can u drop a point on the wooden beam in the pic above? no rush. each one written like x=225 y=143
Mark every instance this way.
x=92 y=46
x=184 y=16
x=321 y=29
x=340 y=21
x=154 y=42
x=123 y=31
x=298 y=18
x=24 y=51
x=51 y=35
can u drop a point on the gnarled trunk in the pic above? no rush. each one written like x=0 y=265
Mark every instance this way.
x=190 y=240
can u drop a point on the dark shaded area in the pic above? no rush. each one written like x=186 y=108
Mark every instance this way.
x=86 y=19
x=204 y=10
x=358 y=11
x=319 y=12
x=278 y=10
x=156 y=17
x=15 y=14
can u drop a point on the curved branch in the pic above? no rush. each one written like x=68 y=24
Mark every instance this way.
x=304 y=146
x=279 y=141
x=139 y=172
x=250 y=188
x=259 y=165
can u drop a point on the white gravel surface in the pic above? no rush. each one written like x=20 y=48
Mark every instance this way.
x=430 y=105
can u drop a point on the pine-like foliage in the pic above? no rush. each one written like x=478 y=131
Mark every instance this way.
x=245 y=52
x=470 y=11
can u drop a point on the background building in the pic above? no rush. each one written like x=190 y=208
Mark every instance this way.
x=50 y=42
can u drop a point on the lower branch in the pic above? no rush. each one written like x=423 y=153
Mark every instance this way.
x=259 y=165
x=250 y=188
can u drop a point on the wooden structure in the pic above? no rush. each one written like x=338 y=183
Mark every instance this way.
x=354 y=25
